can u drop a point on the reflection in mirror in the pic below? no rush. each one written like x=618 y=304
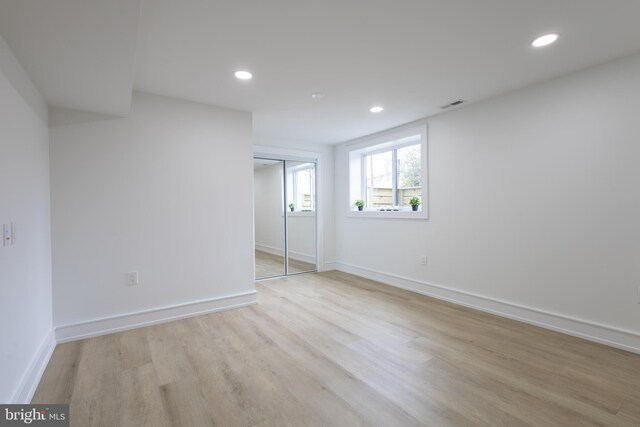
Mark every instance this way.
x=269 y=217
x=301 y=216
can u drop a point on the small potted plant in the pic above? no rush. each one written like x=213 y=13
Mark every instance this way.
x=414 y=202
x=360 y=204
x=292 y=206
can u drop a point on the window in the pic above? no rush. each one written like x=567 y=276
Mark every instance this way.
x=301 y=188
x=392 y=177
x=387 y=171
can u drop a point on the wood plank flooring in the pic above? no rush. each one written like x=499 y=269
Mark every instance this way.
x=333 y=349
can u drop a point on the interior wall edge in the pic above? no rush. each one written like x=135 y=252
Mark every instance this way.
x=112 y=324
x=25 y=264
x=31 y=379
x=13 y=71
x=599 y=333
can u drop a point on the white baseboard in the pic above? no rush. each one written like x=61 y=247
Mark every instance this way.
x=154 y=316
x=31 y=379
x=603 y=334
x=329 y=265
x=298 y=256
x=269 y=249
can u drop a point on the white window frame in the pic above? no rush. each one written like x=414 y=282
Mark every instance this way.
x=394 y=165
x=382 y=142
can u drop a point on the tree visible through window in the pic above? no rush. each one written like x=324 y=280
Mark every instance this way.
x=409 y=173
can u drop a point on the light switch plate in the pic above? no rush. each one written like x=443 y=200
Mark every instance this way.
x=6 y=234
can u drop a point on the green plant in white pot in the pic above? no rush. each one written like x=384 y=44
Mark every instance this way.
x=415 y=202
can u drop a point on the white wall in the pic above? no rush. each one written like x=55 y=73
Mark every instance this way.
x=25 y=267
x=325 y=189
x=534 y=201
x=268 y=208
x=165 y=192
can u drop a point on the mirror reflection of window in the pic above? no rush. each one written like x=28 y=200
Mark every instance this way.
x=301 y=187
x=301 y=223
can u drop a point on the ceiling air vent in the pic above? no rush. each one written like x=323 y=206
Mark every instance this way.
x=452 y=104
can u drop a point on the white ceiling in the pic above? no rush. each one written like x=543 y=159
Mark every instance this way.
x=79 y=53
x=411 y=56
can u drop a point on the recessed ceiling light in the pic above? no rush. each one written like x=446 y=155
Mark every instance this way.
x=243 y=75
x=376 y=109
x=544 y=40
x=317 y=95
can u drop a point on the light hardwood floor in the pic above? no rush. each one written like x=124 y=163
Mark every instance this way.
x=268 y=265
x=332 y=349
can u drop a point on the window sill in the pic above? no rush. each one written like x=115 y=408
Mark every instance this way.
x=404 y=214
x=301 y=213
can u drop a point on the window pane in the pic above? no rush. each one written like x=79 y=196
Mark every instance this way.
x=409 y=165
x=303 y=195
x=379 y=172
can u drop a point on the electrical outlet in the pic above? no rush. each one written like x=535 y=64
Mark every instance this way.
x=132 y=278
x=638 y=294
x=423 y=260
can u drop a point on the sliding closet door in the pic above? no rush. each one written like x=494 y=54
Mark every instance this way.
x=301 y=216
x=269 y=217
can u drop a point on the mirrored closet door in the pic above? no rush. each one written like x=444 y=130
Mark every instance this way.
x=285 y=217
x=301 y=216
x=268 y=202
